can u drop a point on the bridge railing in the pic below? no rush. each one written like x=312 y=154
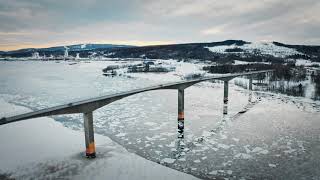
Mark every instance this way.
x=86 y=107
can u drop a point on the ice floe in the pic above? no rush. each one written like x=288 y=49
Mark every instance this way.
x=243 y=156
x=168 y=160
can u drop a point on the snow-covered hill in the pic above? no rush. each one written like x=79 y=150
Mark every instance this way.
x=264 y=48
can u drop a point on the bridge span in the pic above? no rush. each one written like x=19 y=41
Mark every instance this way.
x=86 y=107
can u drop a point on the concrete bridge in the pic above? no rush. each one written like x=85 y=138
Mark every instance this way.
x=86 y=107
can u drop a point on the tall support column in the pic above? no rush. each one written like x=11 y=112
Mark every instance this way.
x=250 y=89
x=225 y=97
x=181 y=112
x=226 y=91
x=89 y=135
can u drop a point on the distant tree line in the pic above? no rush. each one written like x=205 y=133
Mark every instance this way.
x=281 y=71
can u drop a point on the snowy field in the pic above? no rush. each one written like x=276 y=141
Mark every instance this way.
x=271 y=136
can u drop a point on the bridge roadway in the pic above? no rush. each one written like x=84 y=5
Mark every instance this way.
x=89 y=105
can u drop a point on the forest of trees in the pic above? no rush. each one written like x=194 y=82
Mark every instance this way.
x=288 y=72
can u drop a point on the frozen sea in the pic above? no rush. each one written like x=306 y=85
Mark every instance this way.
x=278 y=136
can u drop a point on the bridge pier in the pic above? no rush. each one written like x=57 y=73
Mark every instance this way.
x=225 y=97
x=250 y=89
x=226 y=91
x=250 y=83
x=225 y=108
x=181 y=112
x=89 y=135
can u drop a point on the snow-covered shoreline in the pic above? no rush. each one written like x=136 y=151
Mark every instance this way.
x=44 y=149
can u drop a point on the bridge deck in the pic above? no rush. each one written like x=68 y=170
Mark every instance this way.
x=92 y=104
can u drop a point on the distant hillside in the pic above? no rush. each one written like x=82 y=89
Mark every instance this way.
x=311 y=52
x=174 y=51
x=59 y=50
x=223 y=51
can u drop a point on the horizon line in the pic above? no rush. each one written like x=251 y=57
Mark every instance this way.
x=137 y=44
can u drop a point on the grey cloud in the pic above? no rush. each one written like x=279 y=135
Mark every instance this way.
x=67 y=21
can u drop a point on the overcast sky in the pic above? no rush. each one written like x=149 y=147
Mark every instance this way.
x=43 y=23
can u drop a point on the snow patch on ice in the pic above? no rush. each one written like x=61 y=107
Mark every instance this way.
x=260 y=150
x=213 y=172
x=272 y=165
x=168 y=160
x=289 y=151
x=243 y=156
x=235 y=139
x=223 y=146
x=150 y=124
x=206 y=134
x=197 y=161
x=121 y=134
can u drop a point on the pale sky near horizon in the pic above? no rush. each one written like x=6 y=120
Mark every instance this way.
x=45 y=23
